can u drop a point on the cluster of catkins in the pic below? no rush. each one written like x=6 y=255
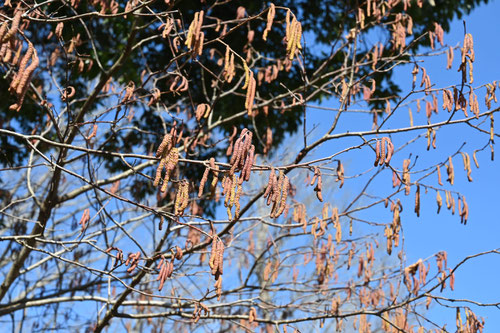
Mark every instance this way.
x=119 y=255
x=10 y=52
x=195 y=37
x=215 y=170
x=242 y=159
x=232 y=189
x=182 y=197
x=277 y=192
x=202 y=111
x=319 y=186
x=383 y=155
x=167 y=267
x=85 y=219
x=216 y=263
x=169 y=157
x=133 y=261
x=293 y=35
x=243 y=156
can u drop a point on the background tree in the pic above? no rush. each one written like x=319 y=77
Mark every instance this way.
x=151 y=167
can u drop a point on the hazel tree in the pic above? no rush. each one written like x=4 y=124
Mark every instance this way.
x=232 y=165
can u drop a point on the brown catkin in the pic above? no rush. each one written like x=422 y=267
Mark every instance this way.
x=417 y=201
x=270 y=17
x=297 y=36
x=269 y=187
x=382 y=151
x=340 y=173
x=158 y=172
x=451 y=171
x=406 y=176
x=377 y=153
x=475 y=159
x=3 y=30
x=465 y=211
x=439 y=201
x=220 y=254
x=194 y=35
x=199 y=44
x=236 y=152
x=249 y=163
x=492 y=128
x=22 y=66
x=17 y=55
x=284 y=195
x=164 y=145
x=449 y=58
x=182 y=197
x=202 y=111
x=213 y=257
x=13 y=28
x=250 y=95
x=390 y=151
x=203 y=181
x=277 y=186
x=237 y=201
x=439 y=174
x=170 y=163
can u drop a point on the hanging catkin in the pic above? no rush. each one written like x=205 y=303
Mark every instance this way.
x=195 y=37
x=270 y=17
x=250 y=95
x=450 y=170
x=182 y=197
x=169 y=157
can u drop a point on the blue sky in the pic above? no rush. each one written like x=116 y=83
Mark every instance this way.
x=477 y=279
x=432 y=233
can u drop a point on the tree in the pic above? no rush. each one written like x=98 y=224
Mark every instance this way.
x=159 y=163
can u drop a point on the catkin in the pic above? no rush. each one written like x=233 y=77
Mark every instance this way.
x=475 y=159
x=492 y=128
x=390 y=151
x=164 y=145
x=406 y=176
x=377 y=153
x=439 y=175
x=340 y=173
x=293 y=36
x=250 y=95
x=194 y=34
x=466 y=160
x=439 y=201
x=417 y=201
x=182 y=198
x=449 y=58
x=284 y=195
x=237 y=201
x=203 y=181
x=247 y=75
x=465 y=212
x=13 y=28
x=270 y=17
x=270 y=186
x=22 y=66
x=450 y=170
x=382 y=151
x=202 y=111
x=84 y=219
